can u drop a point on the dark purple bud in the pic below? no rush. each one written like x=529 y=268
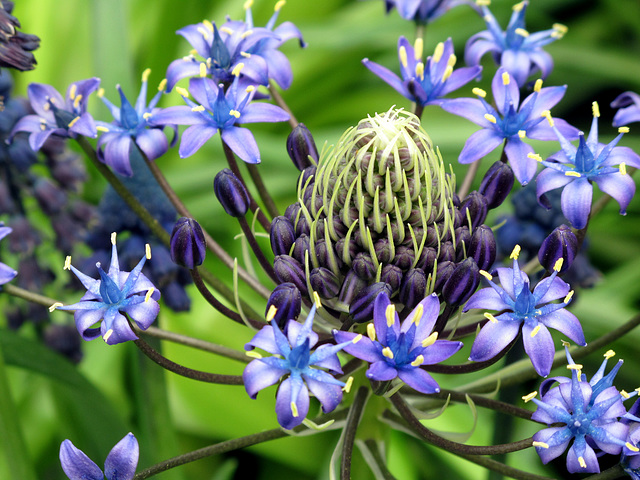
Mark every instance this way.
x=69 y=172
x=483 y=247
x=477 y=206
x=363 y=266
x=304 y=178
x=404 y=258
x=323 y=254
x=300 y=146
x=383 y=250
x=287 y=300
x=361 y=308
x=231 y=193
x=561 y=243
x=324 y=282
x=188 y=246
x=445 y=269
x=462 y=282
x=302 y=225
x=352 y=285
x=427 y=259
x=50 y=197
x=281 y=235
x=463 y=239
x=300 y=247
x=392 y=276
x=352 y=249
x=447 y=252
x=414 y=288
x=292 y=212
x=288 y=269
x=496 y=184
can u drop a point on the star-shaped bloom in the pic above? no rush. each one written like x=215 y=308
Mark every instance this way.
x=292 y=357
x=629 y=108
x=130 y=126
x=575 y=169
x=511 y=122
x=630 y=458
x=590 y=416
x=54 y=115
x=531 y=312
x=422 y=11
x=396 y=350
x=106 y=300
x=515 y=49
x=6 y=273
x=219 y=110
x=425 y=84
x=121 y=463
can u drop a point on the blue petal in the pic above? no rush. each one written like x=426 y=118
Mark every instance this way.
x=143 y=313
x=283 y=404
x=328 y=394
x=76 y=464
x=471 y=109
x=121 y=330
x=479 y=144
x=486 y=298
x=84 y=319
x=518 y=64
x=576 y=202
x=152 y=142
x=492 y=339
x=365 y=349
x=557 y=438
x=242 y=143
x=381 y=371
x=524 y=168
x=39 y=96
x=264 y=340
x=122 y=461
x=419 y=380
x=619 y=186
x=388 y=77
x=550 y=179
x=258 y=375
x=263 y=112
x=589 y=456
x=116 y=154
x=539 y=347
x=440 y=351
x=195 y=137
x=505 y=95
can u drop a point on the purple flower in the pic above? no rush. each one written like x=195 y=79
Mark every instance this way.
x=630 y=458
x=219 y=110
x=120 y=464
x=515 y=49
x=130 y=126
x=510 y=123
x=395 y=350
x=54 y=115
x=425 y=84
x=629 y=108
x=589 y=414
x=107 y=299
x=575 y=168
x=523 y=309
x=422 y=11
x=6 y=273
x=292 y=357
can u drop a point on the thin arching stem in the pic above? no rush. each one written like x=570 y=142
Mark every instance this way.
x=353 y=420
x=256 y=178
x=282 y=104
x=255 y=248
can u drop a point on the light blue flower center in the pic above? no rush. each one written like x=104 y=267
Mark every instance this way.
x=299 y=356
x=525 y=304
x=128 y=115
x=109 y=290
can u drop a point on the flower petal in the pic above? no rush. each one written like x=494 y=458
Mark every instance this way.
x=419 y=380
x=284 y=400
x=258 y=375
x=195 y=137
x=242 y=143
x=76 y=464
x=539 y=347
x=153 y=142
x=329 y=395
x=263 y=112
x=122 y=461
x=557 y=438
x=619 y=186
x=524 y=168
x=492 y=339
x=381 y=371
x=576 y=202
x=479 y=144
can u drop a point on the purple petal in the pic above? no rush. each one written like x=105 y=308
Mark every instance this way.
x=116 y=154
x=85 y=125
x=539 y=347
x=557 y=438
x=263 y=112
x=180 y=115
x=122 y=461
x=524 y=168
x=381 y=371
x=121 y=330
x=258 y=375
x=558 y=289
x=153 y=142
x=264 y=340
x=39 y=95
x=28 y=123
x=279 y=68
x=379 y=316
x=469 y=108
x=622 y=155
x=331 y=362
x=477 y=46
x=619 y=186
x=459 y=78
x=546 y=99
x=283 y=404
x=329 y=395
x=179 y=69
x=143 y=313
x=543 y=61
x=193 y=138
x=365 y=349
x=507 y=280
x=488 y=299
x=576 y=202
x=518 y=64
x=76 y=464
x=242 y=143
x=419 y=380
x=566 y=323
x=589 y=456
x=388 y=77
x=6 y=274
x=543 y=131
x=193 y=35
x=479 y=145
x=502 y=92
x=550 y=179
x=37 y=139
x=430 y=310
x=492 y=339
x=86 y=318
x=440 y=351
x=616 y=430
x=293 y=332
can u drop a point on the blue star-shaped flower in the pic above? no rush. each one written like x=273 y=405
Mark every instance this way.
x=515 y=49
x=630 y=457
x=510 y=122
x=629 y=108
x=425 y=84
x=116 y=292
x=6 y=273
x=422 y=11
x=219 y=110
x=54 y=115
x=130 y=125
x=590 y=412
x=121 y=463
x=575 y=169
x=522 y=308
x=395 y=350
x=292 y=357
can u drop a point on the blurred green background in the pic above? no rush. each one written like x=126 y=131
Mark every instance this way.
x=114 y=391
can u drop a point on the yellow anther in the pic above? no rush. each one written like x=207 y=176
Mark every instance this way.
x=294 y=409
x=271 y=313
x=245 y=54
x=357 y=338
x=237 y=69
x=149 y=293
x=522 y=133
x=490 y=317
x=226 y=30
x=390 y=314
x=162 y=85
x=637 y=390
x=515 y=253
x=146 y=115
x=522 y=32
x=527 y=398
x=623 y=130
x=113 y=238
x=108 y=334
x=418 y=361
x=567 y=299
x=486 y=275
x=547 y=115
x=535 y=331
x=505 y=78
x=483 y=3
x=67 y=263
x=430 y=340
x=624 y=394
x=560 y=30
x=145 y=74
x=72 y=91
x=203 y=32
x=558 y=265
x=574 y=366
x=147 y=251
x=43 y=126
x=538 y=85
x=253 y=354
x=183 y=92
x=490 y=118
x=371 y=331
x=540 y=444
x=518 y=6
x=565 y=343
x=101 y=128
x=608 y=354
x=250 y=89
x=437 y=53
x=386 y=351
x=248 y=4
x=418 y=314
x=234 y=113
x=447 y=73
x=479 y=92
x=198 y=108
x=54 y=306
x=582 y=463
x=631 y=447
x=279 y=5
x=76 y=101
x=246 y=34
x=192 y=52
x=73 y=122
x=623 y=168
x=418 y=48
x=347 y=387
x=451 y=61
x=595 y=109
x=534 y=156
x=203 y=70
x=208 y=25
x=571 y=173
x=402 y=54
x=316 y=299
x=420 y=70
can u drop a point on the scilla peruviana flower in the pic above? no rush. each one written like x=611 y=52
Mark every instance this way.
x=628 y=104
x=6 y=273
x=121 y=463
x=106 y=300
x=422 y=11
x=523 y=309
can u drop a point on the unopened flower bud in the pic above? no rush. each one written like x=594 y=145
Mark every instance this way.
x=231 y=193
x=561 y=243
x=288 y=269
x=462 y=282
x=444 y=271
x=476 y=204
x=300 y=246
x=363 y=266
x=392 y=276
x=496 y=184
x=404 y=258
x=281 y=235
x=301 y=146
x=414 y=288
x=483 y=247
x=352 y=285
x=325 y=282
x=447 y=252
x=361 y=308
x=287 y=300
x=188 y=246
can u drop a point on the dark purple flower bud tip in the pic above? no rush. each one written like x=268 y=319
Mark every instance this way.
x=483 y=247
x=561 y=244
x=188 y=246
x=282 y=235
x=231 y=193
x=462 y=282
x=301 y=146
x=285 y=303
x=288 y=269
x=497 y=183
x=361 y=309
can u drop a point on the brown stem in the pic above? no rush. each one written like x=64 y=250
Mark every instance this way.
x=283 y=105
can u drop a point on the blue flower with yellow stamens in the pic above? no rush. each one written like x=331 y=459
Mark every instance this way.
x=121 y=463
x=422 y=11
